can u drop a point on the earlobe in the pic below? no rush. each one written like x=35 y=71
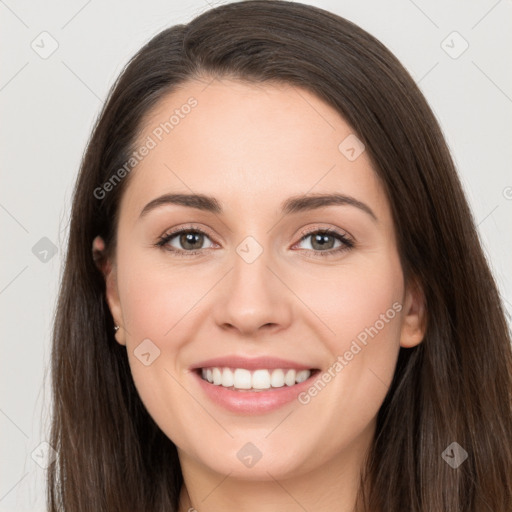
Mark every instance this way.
x=414 y=320
x=114 y=304
x=108 y=269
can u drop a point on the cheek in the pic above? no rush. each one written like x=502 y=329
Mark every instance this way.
x=349 y=299
x=155 y=297
x=363 y=314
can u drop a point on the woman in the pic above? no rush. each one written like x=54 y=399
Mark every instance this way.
x=274 y=295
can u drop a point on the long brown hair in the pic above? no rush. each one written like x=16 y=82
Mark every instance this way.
x=455 y=386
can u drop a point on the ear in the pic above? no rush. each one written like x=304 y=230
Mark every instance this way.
x=109 y=271
x=414 y=321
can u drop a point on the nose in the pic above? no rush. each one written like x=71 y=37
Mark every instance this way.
x=253 y=298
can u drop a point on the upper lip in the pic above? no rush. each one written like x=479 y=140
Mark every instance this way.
x=254 y=363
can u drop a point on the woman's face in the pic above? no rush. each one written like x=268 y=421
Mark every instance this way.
x=258 y=276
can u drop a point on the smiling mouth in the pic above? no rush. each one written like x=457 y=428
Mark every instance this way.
x=241 y=379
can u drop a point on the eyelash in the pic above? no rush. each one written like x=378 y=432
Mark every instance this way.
x=347 y=243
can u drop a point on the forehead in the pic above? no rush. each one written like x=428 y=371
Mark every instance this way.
x=248 y=144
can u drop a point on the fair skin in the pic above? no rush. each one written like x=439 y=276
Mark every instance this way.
x=252 y=147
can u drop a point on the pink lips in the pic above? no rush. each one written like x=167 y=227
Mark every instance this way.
x=251 y=363
x=251 y=402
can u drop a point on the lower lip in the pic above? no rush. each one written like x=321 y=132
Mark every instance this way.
x=253 y=402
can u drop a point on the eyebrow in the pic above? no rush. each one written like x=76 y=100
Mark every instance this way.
x=291 y=205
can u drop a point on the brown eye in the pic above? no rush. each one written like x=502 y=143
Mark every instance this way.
x=191 y=240
x=323 y=242
x=185 y=241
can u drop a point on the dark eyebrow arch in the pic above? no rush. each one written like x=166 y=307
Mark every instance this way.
x=199 y=201
x=291 y=205
x=313 y=201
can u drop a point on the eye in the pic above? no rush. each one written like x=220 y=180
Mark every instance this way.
x=189 y=241
x=323 y=242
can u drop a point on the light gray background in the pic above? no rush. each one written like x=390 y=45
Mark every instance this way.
x=48 y=107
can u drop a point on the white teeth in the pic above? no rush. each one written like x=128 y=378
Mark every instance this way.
x=302 y=375
x=244 y=379
x=261 y=379
x=277 y=379
x=217 y=376
x=228 y=378
x=289 y=378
